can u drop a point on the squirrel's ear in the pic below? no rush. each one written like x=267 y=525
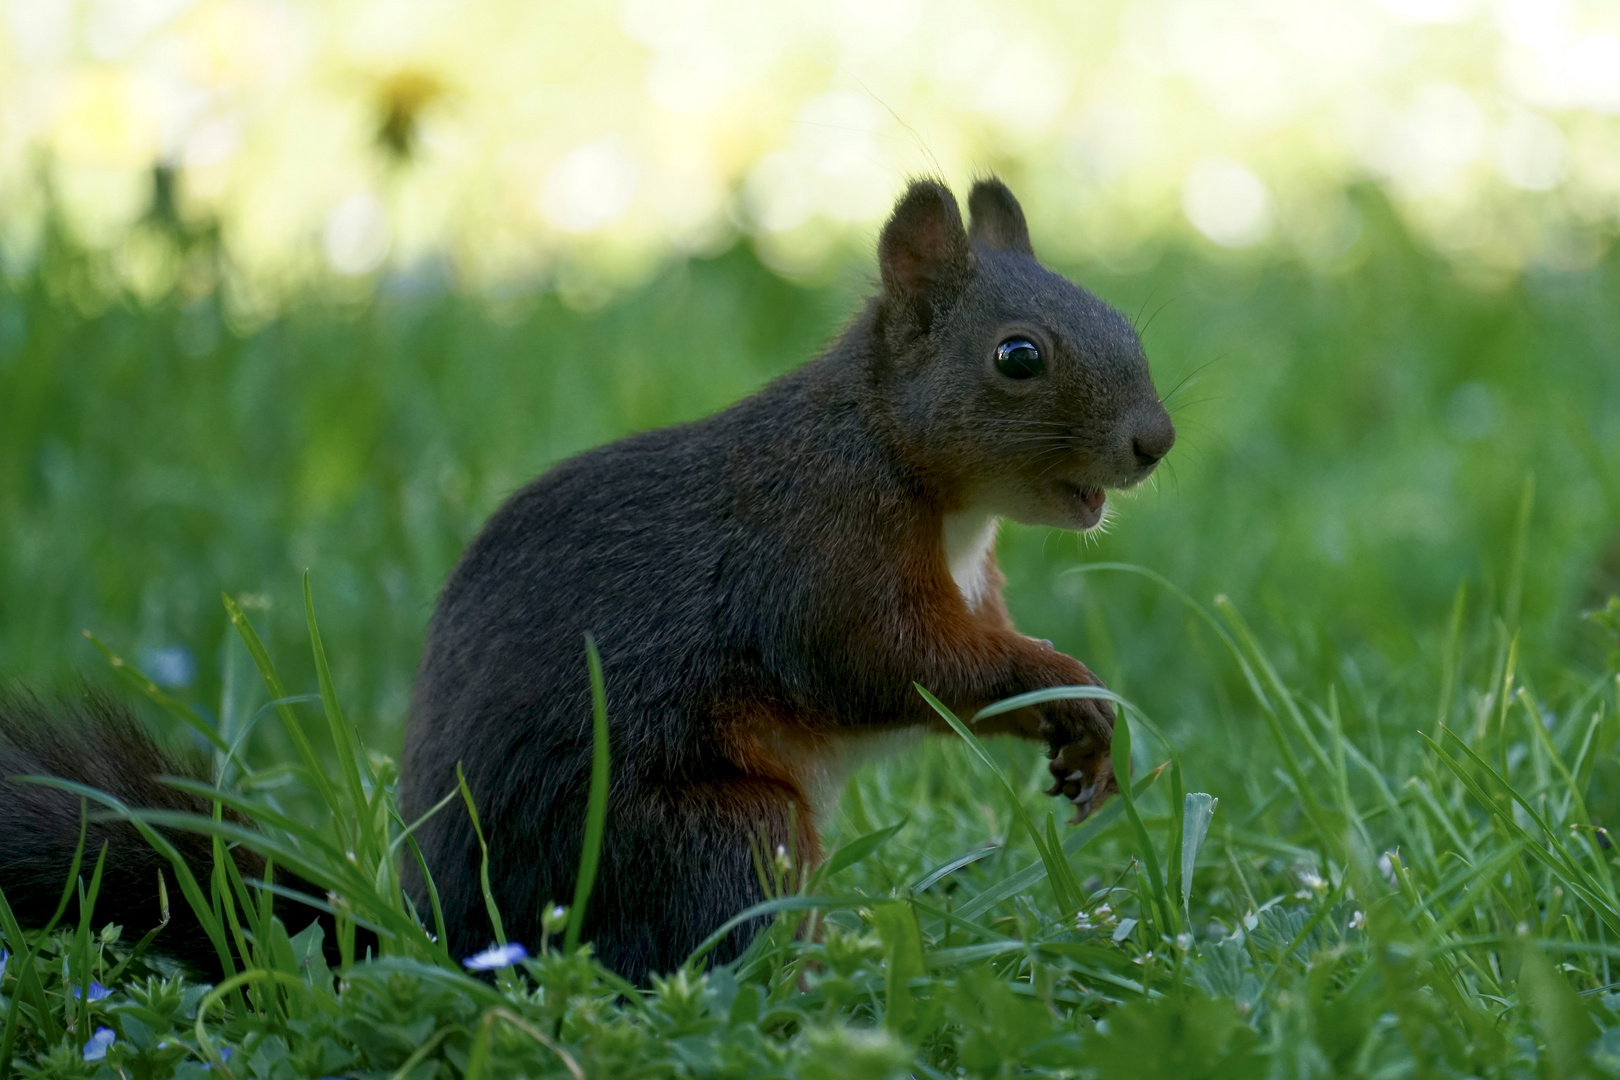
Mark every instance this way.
x=924 y=250
x=998 y=220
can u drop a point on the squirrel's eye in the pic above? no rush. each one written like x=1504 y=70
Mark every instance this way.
x=1018 y=358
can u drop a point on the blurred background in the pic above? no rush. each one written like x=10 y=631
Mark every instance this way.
x=293 y=285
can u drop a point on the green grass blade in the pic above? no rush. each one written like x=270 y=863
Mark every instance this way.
x=138 y=679
x=857 y=850
x=1068 y=903
x=1168 y=920
x=343 y=740
x=1452 y=656
x=1198 y=810
x=596 y=810
x=1030 y=876
x=260 y=813
x=490 y=906
x=289 y=718
x=775 y=906
x=944 y=870
x=902 y=944
x=79 y=980
x=1071 y=883
x=1176 y=820
x=440 y=936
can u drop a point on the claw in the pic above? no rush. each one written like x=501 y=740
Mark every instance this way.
x=1078 y=774
x=1083 y=795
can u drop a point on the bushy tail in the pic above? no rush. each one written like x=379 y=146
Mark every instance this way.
x=96 y=741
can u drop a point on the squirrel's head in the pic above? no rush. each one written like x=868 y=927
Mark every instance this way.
x=1023 y=392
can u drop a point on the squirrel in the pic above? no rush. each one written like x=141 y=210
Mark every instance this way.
x=765 y=587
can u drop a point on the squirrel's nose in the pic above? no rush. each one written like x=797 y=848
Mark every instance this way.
x=1153 y=439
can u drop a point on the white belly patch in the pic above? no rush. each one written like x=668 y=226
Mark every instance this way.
x=968 y=537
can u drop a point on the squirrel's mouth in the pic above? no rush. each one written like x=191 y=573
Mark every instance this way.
x=1087 y=500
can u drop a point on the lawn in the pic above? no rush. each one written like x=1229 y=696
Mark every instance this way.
x=1352 y=621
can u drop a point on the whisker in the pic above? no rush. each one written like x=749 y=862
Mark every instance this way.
x=1202 y=400
x=1143 y=332
x=1136 y=320
x=1026 y=423
x=1183 y=382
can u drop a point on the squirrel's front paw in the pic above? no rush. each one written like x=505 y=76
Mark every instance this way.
x=1082 y=768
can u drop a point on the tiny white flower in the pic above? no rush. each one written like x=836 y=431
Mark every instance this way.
x=496 y=956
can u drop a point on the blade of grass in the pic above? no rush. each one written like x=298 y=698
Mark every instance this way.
x=1121 y=750
x=928 y=880
x=483 y=859
x=1071 y=883
x=343 y=739
x=1174 y=853
x=1198 y=810
x=146 y=939
x=138 y=680
x=1030 y=876
x=856 y=850
x=596 y=808
x=1067 y=903
x=773 y=906
x=79 y=967
x=289 y=718
x=441 y=938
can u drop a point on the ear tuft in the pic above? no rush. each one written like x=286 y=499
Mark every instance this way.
x=998 y=220
x=924 y=250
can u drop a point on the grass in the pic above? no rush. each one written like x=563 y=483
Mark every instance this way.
x=1373 y=738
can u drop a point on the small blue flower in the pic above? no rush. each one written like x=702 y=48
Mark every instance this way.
x=97 y=992
x=96 y=1048
x=496 y=956
x=4 y=956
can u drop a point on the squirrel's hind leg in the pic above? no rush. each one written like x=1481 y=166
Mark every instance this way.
x=679 y=863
